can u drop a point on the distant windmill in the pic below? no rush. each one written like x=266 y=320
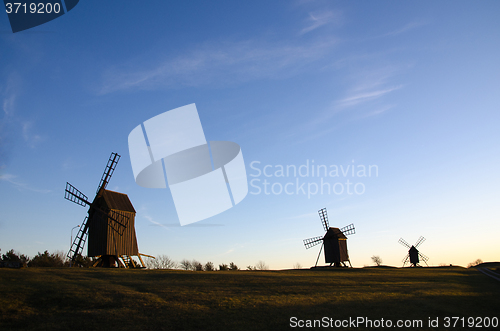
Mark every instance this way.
x=413 y=254
x=334 y=242
x=109 y=224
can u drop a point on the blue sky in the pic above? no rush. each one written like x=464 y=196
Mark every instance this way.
x=411 y=88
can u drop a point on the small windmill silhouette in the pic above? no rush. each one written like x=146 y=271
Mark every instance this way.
x=334 y=242
x=413 y=254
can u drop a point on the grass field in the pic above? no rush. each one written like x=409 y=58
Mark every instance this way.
x=119 y=299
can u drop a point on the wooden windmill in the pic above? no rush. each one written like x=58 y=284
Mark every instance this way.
x=413 y=254
x=109 y=225
x=334 y=242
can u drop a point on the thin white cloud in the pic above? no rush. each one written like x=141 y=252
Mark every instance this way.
x=317 y=20
x=377 y=111
x=30 y=138
x=8 y=104
x=302 y=216
x=222 y=63
x=369 y=85
x=365 y=96
x=405 y=28
x=9 y=93
x=150 y=219
x=19 y=185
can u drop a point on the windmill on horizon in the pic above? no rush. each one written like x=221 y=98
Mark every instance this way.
x=413 y=254
x=334 y=242
x=109 y=225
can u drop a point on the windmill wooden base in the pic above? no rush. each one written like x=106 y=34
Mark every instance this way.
x=121 y=261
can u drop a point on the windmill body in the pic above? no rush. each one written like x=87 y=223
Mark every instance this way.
x=414 y=256
x=106 y=239
x=334 y=242
x=335 y=245
x=109 y=226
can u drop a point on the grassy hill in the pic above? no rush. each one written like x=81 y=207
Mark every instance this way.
x=109 y=299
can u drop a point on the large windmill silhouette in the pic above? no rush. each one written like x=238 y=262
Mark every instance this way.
x=334 y=242
x=109 y=225
x=413 y=254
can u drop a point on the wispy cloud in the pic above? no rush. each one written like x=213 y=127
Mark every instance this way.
x=218 y=63
x=319 y=19
x=405 y=28
x=8 y=104
x=150 y=219
x=302 y=216
x=9 y=92
x=365 y=96
x=30 y=138
x=19 y=185
x=370 y=85
x=376 y=112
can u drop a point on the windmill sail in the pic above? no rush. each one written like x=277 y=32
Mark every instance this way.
x=334 y=242
x=108 y=171
x=311 y=242
x=324 y=218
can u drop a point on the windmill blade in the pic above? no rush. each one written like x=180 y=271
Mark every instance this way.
x=404 y=243
x=74 y=195
x=419 y=241
x=119 y=221
x=423 y=257
x=79 y=242
x=324 y=218
x=311 y=242
x=108 y=171
x=348 y=230
x=406 y=258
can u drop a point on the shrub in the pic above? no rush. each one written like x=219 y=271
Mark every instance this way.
x=11 y=258
x=186 y=265
x=233 y=266
x=475 y=263
x=223 y=267
x=377 y=260
x=196 y=266
x=160 y=262
x=48 y=260
x=83 y=261
x=209 y=266
x=261 y=265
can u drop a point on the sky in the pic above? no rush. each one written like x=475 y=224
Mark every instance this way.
x=409 y=90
